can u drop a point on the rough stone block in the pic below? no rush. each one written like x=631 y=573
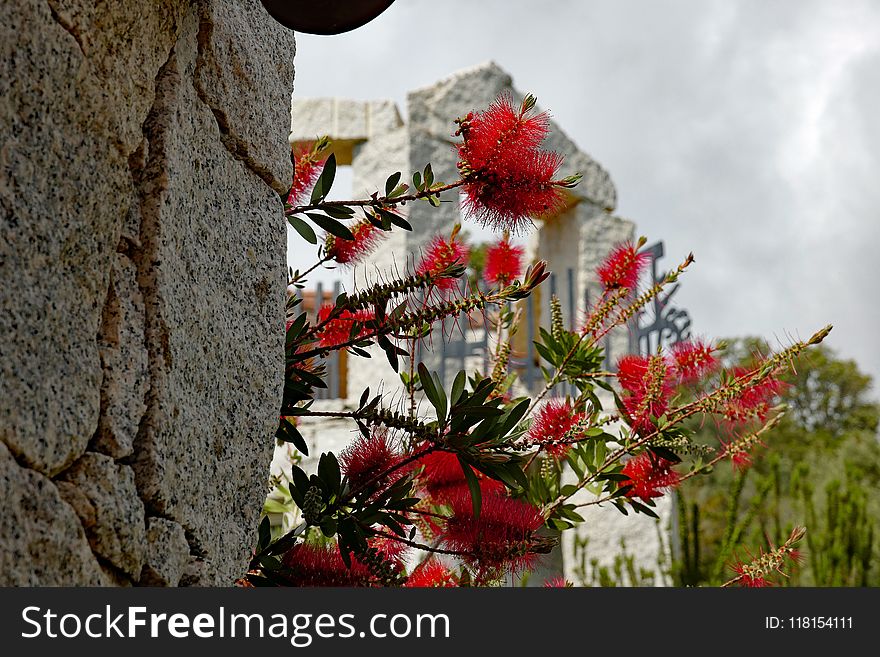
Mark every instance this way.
x=104 y=496
x=167 y=553
x=124 y=361
x=42 y=542
x=243 y=55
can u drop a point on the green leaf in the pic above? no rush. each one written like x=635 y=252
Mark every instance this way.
x=328 y=471
x=428 y=386
x=332 y=226
x=290 y=434
x=338 y=211
x=458 y=387
x=513 y=416
x=395 y=219
x=429 y=175
x=325 y=180
x=264 y=533
x=391 y=183
x=441 y=397
x=303 y=229
x=417 y=180
x=328 y=526
x=474 y=484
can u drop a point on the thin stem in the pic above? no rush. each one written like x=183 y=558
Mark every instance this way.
x=379 y=202
x=300 y=276
x=422 y=546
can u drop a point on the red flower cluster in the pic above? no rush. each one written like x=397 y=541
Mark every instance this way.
x=443 y=478
x=306 y=169
x=623 y=267
x=693 y=359
x=499 y=538
x=555 y=419
x=440 y=254
x=312 y=565
x=750 y=581
x=647 y=382
x=558 y=582
x=504 y=263
x=366 y=458
x=431 y=574
x=509 y=178
x=754 y=402
x=338 y=330
x=649 y=475
x=348 y=252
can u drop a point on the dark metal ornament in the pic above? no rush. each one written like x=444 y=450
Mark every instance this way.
x=325 y=16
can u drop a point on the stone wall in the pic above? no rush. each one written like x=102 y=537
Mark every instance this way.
x=144 y=148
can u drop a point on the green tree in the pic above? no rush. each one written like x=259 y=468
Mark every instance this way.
x=820 y=467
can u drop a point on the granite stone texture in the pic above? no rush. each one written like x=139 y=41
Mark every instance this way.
x=42 y=542
x=104 y=496
x=167 y=553
x=143 y=149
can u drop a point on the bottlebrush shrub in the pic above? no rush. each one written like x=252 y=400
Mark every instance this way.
x=462 y=490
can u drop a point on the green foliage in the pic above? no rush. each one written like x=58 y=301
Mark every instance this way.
x=821 y=468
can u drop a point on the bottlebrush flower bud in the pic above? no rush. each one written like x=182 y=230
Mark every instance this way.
x=431 y=574
x=552 y=423
x=337 y=331
x=649 y=475
x=441 y=254
x=504 y=263
x=500 y=538
x=693 y=359
x=367 y=458
x=509 y=179
x=307 y=165
x=623 y=267
x=350 y=252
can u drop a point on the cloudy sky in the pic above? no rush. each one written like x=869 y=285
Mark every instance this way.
x=741 y=131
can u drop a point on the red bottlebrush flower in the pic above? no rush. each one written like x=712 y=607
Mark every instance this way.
x=503 y=263
x=338 y=330
x=312 y=565
x=443 y=477
x=750 y=581
x=366 y=458
x=499 y=538
x=693 y=359
x=440 y=254
x=431 y=574
x=623 y=267
x=754 y=402
x=558 y=582
x=649 y=475
x=509 y=179
x=306 y=168
x=646 y=380
x=631 y=371
x=348 y=252
x=552 y=422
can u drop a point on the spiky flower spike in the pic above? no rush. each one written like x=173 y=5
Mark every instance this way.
x=649 y=475
x=558 y=582
x=623 y=267
x=348 y=252
x=647 y=382
x=693 y=359
x=312 y=565
x=443 y=478
x=431 y=574
x=552 y=424
x=500 y=538
x=307 y=165
x=759 y=572
x=367 y=458
x=338 y=330
x=509 y=179
x=504 y=262
x=440 y=254
x=754 y=401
